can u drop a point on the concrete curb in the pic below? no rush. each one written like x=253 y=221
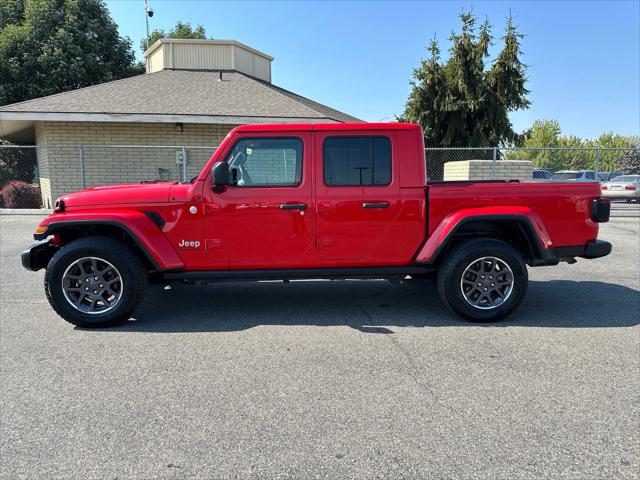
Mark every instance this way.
x=25 y=211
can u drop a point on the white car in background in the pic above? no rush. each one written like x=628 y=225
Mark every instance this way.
x=622 y=187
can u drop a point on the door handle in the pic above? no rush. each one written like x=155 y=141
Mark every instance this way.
x=293 y=206
x=375 y=204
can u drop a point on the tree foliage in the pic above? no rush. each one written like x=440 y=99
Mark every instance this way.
x=547 y=133
x=51 y=46
x=463 y=101
x=180 y=30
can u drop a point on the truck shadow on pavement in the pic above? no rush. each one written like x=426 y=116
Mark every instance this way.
x=370 y=306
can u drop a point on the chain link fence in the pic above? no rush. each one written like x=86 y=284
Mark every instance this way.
x=52 y=170
x=33 y=176
x=617 y=170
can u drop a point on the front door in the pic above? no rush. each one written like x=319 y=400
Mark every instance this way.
x=358 y=195
x=265 y=218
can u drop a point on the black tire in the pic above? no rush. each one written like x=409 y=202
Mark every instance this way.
x=116 y=253
x=452 y=269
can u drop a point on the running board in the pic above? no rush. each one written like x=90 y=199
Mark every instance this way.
x=291 y=274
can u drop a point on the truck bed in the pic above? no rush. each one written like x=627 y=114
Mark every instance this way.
x=564 y=206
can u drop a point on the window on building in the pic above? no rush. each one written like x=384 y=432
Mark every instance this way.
x=356 y=161
x=266 y=162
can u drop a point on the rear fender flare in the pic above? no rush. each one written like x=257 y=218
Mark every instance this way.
x=526 y=217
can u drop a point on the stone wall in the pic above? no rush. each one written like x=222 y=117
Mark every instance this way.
x=483 y=170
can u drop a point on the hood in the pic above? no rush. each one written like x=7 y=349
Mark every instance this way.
x=130 y=193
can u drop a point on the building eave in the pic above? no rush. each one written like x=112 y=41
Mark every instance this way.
x=161 y=41
x=150 y=118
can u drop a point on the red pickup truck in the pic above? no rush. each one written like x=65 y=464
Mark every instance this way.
x=313 y=201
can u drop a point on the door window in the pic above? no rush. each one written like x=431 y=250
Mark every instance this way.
x=356 y=161
x=266 y=162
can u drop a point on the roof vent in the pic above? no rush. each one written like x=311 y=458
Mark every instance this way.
x=189 y=54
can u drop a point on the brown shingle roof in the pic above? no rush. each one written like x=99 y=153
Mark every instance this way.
x=184 y=92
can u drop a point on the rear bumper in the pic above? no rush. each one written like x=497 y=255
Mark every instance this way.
x=597 y=249
x=592 y=249
x=37 y=255
x=614 y=194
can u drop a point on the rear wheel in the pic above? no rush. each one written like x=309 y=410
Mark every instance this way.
x=94 y=282
x=483 y=280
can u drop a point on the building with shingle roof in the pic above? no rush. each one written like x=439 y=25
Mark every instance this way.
x=193 y=93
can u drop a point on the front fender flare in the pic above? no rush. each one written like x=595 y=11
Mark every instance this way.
x=139 y=227
x=525 y=216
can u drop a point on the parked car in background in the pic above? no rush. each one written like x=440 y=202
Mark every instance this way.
x=542 y=174
x=606 y=176
x=623 y=187
x=575 y=175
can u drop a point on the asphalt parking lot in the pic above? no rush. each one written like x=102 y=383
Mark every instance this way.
x=344 y=379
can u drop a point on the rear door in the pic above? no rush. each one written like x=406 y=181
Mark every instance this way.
x=357 y=193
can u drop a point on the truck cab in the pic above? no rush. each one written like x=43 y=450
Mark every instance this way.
x=313 y=201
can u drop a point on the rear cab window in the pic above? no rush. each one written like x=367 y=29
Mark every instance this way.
x=356 y=161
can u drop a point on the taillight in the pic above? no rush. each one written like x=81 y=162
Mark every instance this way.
x=604 y=187
x=600 y=209
x=629 y=187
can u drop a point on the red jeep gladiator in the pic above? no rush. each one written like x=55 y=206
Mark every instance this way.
x=313 y=201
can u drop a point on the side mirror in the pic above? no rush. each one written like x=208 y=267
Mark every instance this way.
x=220 y=174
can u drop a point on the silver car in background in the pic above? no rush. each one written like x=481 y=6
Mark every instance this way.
x=575 y=175
x=623 y=188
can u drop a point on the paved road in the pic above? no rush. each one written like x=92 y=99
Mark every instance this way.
x=344 y=379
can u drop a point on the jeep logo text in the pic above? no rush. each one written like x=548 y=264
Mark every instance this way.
x=189 y=244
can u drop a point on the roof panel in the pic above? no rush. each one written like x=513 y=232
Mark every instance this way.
x=183 y=92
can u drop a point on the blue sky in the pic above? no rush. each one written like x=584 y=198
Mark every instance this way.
x=357 y=56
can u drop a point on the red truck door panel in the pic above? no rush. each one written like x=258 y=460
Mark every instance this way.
x=267 y=215
x=357 y=193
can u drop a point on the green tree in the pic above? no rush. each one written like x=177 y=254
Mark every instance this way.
x=51 y=46
x=462 y=101
x=180 y=30
x=572 y=156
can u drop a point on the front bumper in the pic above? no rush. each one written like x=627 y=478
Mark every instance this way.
x=37 y=255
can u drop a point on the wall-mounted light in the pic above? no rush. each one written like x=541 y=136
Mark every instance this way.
x=179 y=127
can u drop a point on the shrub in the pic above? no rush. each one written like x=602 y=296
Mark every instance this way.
x=17 y=194
x=1 y=200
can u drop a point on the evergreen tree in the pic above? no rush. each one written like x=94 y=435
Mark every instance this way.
x=461 y=102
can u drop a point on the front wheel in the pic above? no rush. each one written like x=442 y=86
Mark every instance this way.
x=94 y=282
x=483 y=280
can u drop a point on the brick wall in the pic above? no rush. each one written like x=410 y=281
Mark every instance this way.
x=59 y=166
x=482 y=170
